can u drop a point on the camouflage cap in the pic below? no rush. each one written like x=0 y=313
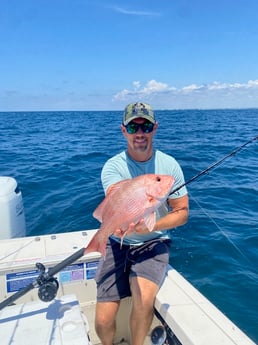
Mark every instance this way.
x=139 y=109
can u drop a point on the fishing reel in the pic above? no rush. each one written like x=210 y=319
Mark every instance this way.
x=162 y=335
x=47 y=285
x=158 y=336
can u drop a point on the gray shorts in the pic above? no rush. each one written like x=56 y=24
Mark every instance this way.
x=148 y=260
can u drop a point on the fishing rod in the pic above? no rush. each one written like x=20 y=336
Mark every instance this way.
x=214 y=165
x=48 y=285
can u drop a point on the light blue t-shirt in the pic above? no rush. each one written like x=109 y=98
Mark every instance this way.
x=121 y=167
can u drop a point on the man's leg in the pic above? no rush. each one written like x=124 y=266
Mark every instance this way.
x=143 y=296
x=105 y=323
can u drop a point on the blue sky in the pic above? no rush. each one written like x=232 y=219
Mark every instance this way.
x=103 y=54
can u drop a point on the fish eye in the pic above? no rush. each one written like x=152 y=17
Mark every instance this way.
x=158 y=179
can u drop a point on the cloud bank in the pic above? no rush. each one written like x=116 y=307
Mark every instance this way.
x=215 y=94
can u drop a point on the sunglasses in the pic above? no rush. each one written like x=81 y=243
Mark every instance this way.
x=146 y=127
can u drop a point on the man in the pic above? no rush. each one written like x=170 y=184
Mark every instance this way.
x=138 y=266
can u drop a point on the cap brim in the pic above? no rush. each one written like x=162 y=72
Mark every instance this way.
x=146 y=117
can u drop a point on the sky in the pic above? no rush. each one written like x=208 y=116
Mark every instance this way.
x=103 y=54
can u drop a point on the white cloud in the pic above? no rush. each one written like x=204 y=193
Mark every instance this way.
x=252 y=83
x=135 y=12
x=152 y=87
x=136 y=84
x=193 y=95
x=155 y=86
x=190 y=88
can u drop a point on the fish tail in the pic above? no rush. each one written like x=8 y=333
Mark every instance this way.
x=96 y=245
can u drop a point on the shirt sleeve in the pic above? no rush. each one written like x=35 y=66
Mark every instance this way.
x=179 y=182
x=166 y=164
x=113 y=171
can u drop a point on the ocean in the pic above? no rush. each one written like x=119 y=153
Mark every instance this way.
x=56 y=158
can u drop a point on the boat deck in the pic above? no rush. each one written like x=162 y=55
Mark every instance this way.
x=190 y=317
x=123 y=333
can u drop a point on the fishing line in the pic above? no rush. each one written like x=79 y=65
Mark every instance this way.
x=228 y=239
x=214 y=165
x=16 y=251
x=205 y=171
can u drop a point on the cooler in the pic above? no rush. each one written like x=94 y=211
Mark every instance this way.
x=12 y=218
x=59 y=322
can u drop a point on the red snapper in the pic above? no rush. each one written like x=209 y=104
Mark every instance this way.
x=129 y=201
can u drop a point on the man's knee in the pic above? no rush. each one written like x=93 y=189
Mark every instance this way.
x=106 y=314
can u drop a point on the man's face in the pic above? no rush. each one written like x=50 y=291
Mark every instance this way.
x=139 y=141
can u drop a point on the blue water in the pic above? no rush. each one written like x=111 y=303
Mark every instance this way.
x=56 y=157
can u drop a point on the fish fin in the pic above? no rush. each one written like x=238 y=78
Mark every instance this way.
x=122 y=238
x=99 y=211
x=150 y=220
x=117 y=185
x=96 y=245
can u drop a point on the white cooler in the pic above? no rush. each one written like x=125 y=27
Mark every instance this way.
x=59 y=322
x=12 y=218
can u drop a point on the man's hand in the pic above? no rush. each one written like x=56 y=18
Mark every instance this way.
x=139 y=228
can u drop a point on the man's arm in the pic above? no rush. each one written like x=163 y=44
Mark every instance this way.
x=178 y=216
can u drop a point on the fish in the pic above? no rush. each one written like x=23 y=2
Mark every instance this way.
x=129 y=201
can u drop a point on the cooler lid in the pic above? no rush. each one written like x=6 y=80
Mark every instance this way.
x=7 y=185
x=58 y=322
